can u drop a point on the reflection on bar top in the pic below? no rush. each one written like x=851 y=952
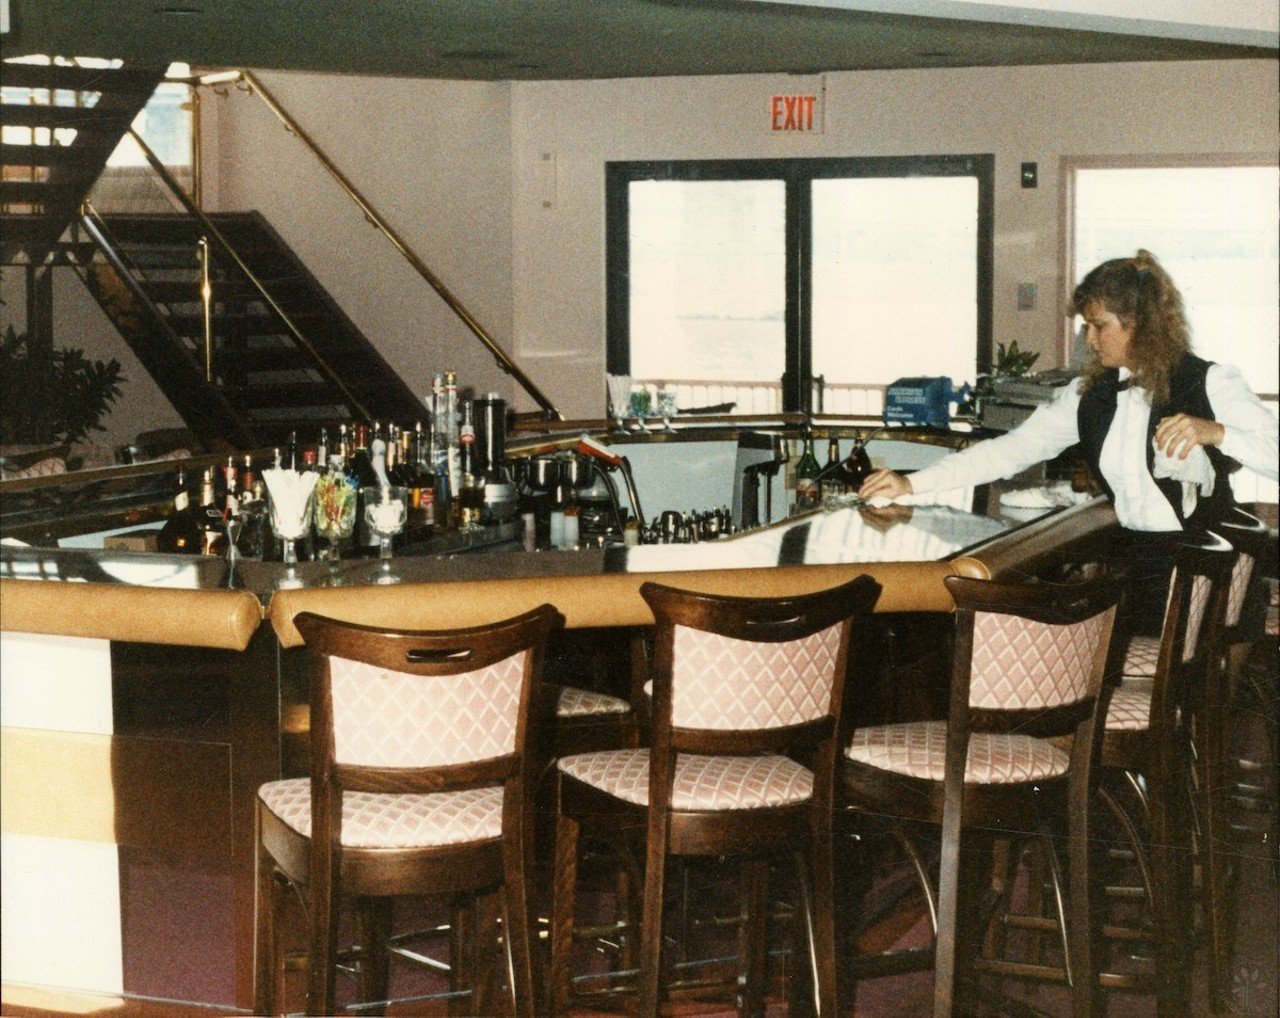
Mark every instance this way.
x=829 y=537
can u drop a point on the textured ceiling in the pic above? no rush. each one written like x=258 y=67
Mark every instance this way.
x=557 y=39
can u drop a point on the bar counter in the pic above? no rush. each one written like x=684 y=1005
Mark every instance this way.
x=199 y=702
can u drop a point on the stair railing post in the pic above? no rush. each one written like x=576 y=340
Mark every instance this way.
x=206 y=307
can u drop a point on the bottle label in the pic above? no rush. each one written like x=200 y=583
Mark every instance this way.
x=181 y=501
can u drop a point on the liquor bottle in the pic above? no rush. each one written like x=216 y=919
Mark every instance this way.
x=367 y=481
x=291 y=452
x=831 y=480
x=447 y=418
x=471 y=491
x=247 y=474
x=807 y=471
x=857 y=465
x=231 y=497
x=255 y=524
x=208 y=518
x=322 y=451
x=422 y=483
x=179 y=534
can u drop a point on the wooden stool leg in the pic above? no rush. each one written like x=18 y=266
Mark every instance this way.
x=517 y=926
x=565 y=885
x=323 y=936
x=1167 y=834
x=462 y=954
x=651 y=921
x=373 y=933
x=754 y=894
x=822 y=921
x=1215 y=836
x=266 y=949
x=1081 y=918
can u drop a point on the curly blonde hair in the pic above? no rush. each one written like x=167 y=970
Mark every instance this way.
x=1141 y=294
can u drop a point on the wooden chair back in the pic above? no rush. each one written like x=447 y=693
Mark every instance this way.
x=742 y=676
x=1029 y=658
x=421 y=711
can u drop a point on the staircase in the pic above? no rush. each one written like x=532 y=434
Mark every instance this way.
x=268 y=378
x=61 y=123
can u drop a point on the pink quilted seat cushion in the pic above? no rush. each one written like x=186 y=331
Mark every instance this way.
x=1130 y=709
x=1241 y=574
x=724 y=683
x=702 y=782
x=918 y=749
x=1141 y=657
x=385 y=718
x=580 y=703
x=376 y=820
x=1023 y=664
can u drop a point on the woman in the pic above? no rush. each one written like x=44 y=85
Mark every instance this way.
x=1155 y=423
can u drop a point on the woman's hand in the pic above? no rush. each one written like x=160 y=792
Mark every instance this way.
x=1179 y=434
x=884 y=484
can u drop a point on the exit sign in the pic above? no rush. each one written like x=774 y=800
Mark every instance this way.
x=796 y=113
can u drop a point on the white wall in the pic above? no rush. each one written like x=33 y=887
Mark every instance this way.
x=433 y=157
x=1040 y=114
x=458 y=169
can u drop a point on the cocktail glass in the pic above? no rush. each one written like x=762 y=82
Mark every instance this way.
x=619 y=399
x=385 y=511
x=290 y=522
x=335 y=515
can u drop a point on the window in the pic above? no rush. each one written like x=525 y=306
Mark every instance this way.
x=1216 y=229
x=801 y=284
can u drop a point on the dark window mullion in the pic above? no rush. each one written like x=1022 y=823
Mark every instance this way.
x=797 y=384
x=617 y=226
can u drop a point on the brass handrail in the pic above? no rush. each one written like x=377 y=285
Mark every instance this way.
x=210 y=230
x=500 y=356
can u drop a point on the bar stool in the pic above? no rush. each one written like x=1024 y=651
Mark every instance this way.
x=419 y=785
x=747 y=695
x=1146 y=751
x=1028 y=667
x=1216 y=767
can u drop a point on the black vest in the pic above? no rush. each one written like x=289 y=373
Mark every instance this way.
x=1186 y=395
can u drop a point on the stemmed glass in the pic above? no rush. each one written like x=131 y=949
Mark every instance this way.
x=385 y=511
x=335 y=513
x=619 y=399
x=641 y=405
x=291 y=494
x=667 y=407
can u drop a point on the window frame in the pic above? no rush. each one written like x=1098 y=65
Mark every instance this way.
x=796 y=175
x=1169 y=161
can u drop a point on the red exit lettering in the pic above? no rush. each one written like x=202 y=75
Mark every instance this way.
x=792 y=112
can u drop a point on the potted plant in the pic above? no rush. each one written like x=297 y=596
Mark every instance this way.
x=54 y=398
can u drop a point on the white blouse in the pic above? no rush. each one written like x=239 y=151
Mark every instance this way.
x=1252 y=436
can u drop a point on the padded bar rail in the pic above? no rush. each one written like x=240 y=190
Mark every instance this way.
x=222 y=619
x=1014 y=557
x=593 y=601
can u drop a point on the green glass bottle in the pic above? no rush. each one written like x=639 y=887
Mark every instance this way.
x=807 y=471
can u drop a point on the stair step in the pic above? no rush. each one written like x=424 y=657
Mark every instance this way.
x=81 y=118
x=275 y=358
x=243 y=324
x=116 y=80
x=289 y=394
x=43 y=155
x=26 y=192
